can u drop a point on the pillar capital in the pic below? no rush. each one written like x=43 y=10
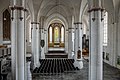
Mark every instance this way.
x=41 y=28
x=16 y=7
x=45 y=30
x=34 y=22
x=66 y=29
x=70 y=28
x=96 y=9
x=77 y=23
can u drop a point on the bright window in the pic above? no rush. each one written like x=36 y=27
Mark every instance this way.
x=50 y=34
x=105 y=29
x=56 y=35
x=84 y=29
x=30 y=31
x=62 y=34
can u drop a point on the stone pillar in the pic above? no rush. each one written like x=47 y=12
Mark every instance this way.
x=78 y=46
x=35 y=44
x=72 y=43
x=45 y=38
x=80 y=38
x=39 y=42
x=69 y=43
x=42 y=55
x=28 y=73
x=96 y=40
x=42 y=48
x=18 y=40
x=76 y=40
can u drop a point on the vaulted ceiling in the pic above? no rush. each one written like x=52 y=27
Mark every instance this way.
x=48 y=7
x=65 y=8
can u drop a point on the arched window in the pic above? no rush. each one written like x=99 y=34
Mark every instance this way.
x=62 y=34
x=50 y=34
x=84 y=29
x=56 y=35
x=105 y=29
x=6 y=26
x=30 y=35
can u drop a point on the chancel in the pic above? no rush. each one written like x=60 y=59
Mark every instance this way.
x=59 y=40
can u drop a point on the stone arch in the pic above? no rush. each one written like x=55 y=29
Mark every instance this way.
x=60 y=19
x=53 y=17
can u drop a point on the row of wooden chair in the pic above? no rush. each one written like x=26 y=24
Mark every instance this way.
x=55 y=66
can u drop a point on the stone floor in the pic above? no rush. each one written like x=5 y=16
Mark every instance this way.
x=110 y=73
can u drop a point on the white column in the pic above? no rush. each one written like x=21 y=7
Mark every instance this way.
x=115 y=43
x=78 y=46
x=80 y=33
x=42 y=48
x=72 y=43
x=35 y=44
x=13 y=46
x=45 y=38
x=42 y=55
x=29 y=75
x=66 y=41
x=96 y=39
x=39 y=42
x=18 y=40
x=69 y=43
x=76 y=41
x=80 y=38
x=21 y=50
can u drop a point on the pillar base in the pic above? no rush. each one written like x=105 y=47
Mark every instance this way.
x=42 y=54
x=36 y=65
x=78 y=64
x=73 y=55
x=33 y=65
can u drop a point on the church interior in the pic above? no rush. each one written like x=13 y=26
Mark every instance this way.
x=59 y=40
